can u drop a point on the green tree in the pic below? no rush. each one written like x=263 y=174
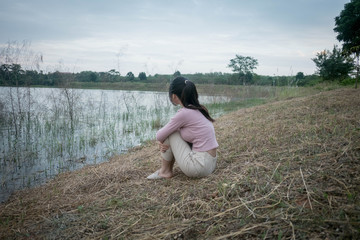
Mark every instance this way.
x=93 y=77
x=244 y=66
x=299 y=76
x=333 y=65
x=4 y=74
x=87 y=76
x=177 y=74
x=57 y=78
x=114 y=75
x=347 y=25
x=12 y=74
x=299 y=79
x=32 y=77
x=142 y=76
x=130 y=76
x=114 y=72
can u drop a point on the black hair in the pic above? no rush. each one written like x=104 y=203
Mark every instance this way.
x=186 y=91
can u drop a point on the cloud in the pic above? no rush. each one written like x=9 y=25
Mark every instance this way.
x=139 y=35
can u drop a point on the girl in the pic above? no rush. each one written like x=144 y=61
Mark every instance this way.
x=189 y=137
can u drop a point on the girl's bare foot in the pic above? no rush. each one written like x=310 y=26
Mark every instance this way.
x=165 y=174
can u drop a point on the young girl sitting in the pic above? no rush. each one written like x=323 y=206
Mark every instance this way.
x=189 y=137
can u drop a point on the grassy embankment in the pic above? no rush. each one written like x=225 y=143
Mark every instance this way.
x=286 y=170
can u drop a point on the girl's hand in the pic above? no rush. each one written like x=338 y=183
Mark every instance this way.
x=163 y=147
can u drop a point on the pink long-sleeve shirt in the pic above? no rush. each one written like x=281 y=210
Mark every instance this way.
x=194 y=128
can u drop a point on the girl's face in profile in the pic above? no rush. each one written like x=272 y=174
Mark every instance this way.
x=175 y=99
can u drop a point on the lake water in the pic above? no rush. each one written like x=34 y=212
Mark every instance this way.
x=46 y=131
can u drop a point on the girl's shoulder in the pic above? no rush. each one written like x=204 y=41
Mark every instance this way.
x=185 y=110
x=188 y=113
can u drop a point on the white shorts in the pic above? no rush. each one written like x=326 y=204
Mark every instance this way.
x=192 y=163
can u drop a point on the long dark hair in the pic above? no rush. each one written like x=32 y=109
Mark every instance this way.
x=186 y=91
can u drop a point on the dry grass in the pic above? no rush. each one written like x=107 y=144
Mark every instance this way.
x=286 y=170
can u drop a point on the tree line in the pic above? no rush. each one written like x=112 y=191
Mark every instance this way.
x=14 y=75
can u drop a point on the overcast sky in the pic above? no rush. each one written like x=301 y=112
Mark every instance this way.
x=162 y=36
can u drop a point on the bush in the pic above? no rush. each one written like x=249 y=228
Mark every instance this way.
x=310 y=80
x=348 y=81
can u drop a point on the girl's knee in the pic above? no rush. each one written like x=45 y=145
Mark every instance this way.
x=174 y=135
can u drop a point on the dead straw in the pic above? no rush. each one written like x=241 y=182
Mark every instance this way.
x=307 y=191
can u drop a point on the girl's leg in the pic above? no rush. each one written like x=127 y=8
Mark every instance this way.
x=192 y=164
x=167 y=162
x=166 y=169
x=179 y=150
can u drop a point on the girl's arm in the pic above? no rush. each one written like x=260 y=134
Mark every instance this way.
x=175 y=123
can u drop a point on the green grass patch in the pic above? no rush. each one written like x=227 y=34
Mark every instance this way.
x=227 y=107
